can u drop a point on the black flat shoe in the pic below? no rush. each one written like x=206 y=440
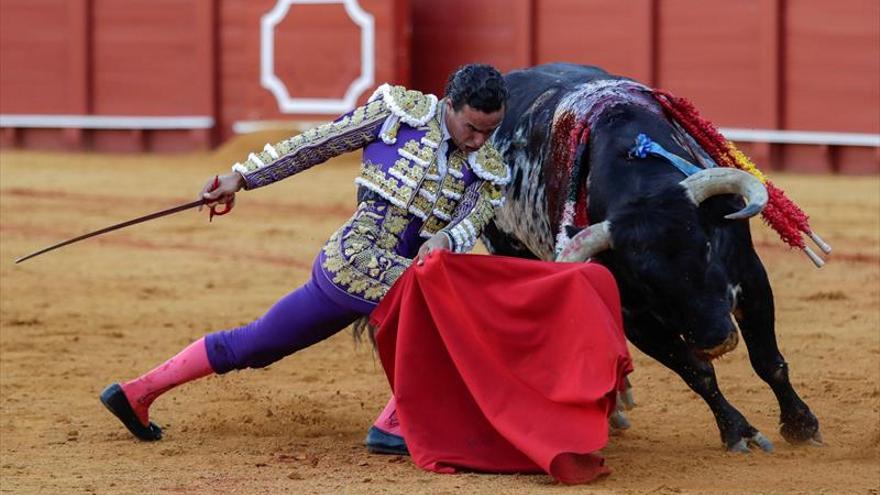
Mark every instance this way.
x=115 y=401
x=379 y=442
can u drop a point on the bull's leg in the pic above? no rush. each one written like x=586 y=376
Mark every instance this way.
x=755 y=315
x=736 y=432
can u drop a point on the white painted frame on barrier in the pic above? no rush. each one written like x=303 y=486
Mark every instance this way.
x=270 y=81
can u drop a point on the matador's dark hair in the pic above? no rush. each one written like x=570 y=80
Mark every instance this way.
x=479 y=85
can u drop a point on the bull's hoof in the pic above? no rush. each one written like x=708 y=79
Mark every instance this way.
x=618 y=421
x=799 y=437
x=756 y=440
x=816 y=440
x=626 y=398
x=801 y=429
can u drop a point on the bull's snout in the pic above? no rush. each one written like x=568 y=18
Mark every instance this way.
x=721 y=349
x=714 y=336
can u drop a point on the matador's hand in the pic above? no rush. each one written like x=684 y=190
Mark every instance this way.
x=437 y=242
x=221 y=190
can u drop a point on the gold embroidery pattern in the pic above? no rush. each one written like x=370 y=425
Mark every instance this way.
x=367 y=114
x=421 y=155
x=431 y=186
x=395 y=223
x=432 y=226
x=314 y=146
x=389 y=130
x=400 y=182
x=453 y=187
x=414 y=104
x=494 y=194
x=356 y=255
x=444 y=207
x=474 y=211
x=489 y=165
x=456 y=163
x=374 y=178
x=453 y=184
x=409 y=172
x=434 y=135
x=420 y=206
x=444 y=204
x=485 y=209
x=432 y=173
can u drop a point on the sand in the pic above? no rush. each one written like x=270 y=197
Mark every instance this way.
x=110 y=308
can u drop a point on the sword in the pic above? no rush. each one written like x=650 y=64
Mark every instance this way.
x=145 y=218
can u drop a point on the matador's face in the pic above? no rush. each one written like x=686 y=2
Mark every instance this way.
x=471 y=128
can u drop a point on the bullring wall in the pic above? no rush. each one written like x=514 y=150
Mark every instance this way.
x=187 y=74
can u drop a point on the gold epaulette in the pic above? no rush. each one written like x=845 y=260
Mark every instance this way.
x=411 y=107
x=488 y=164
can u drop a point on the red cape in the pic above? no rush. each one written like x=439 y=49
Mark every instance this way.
x=504 y=365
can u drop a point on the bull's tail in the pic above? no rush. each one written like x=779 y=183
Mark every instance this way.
x=363 y=328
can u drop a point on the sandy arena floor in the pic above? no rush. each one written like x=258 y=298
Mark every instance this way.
x=111 y=308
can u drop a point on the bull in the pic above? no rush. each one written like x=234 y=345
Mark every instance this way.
x=673 y=230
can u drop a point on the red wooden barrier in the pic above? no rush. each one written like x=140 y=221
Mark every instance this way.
x=190 y=70
x=41 y=71
x=317 y=55
x=195 y=64
x=832 y=80
x=750 y=64
x=617 y=36
x=454 y=32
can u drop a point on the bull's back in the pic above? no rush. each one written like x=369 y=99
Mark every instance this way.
x=527 y=85
x=564 y=74
x=524 y=139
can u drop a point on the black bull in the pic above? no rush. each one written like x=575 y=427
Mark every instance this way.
x=683 y=268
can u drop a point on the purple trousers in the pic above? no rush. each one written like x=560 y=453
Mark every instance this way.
x=302 y=318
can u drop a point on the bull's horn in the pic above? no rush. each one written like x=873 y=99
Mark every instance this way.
x=714 y=181
x=587 y=243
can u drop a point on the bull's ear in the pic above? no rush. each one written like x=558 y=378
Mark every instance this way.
x=571 y=230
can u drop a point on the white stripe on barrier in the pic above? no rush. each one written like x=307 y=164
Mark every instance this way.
x=734 y=134
x=241 y=127
x=248 y=126
x=107 y=121
x=801 y=137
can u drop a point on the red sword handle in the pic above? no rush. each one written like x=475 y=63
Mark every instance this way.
x=228 y=206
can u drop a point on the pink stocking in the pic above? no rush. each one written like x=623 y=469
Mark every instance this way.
x=190 y=364
x=387 y=420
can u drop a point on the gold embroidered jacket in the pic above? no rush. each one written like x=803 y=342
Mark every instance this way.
x=400 y=133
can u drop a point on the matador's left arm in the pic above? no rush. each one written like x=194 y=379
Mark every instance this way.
x=478 y=203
